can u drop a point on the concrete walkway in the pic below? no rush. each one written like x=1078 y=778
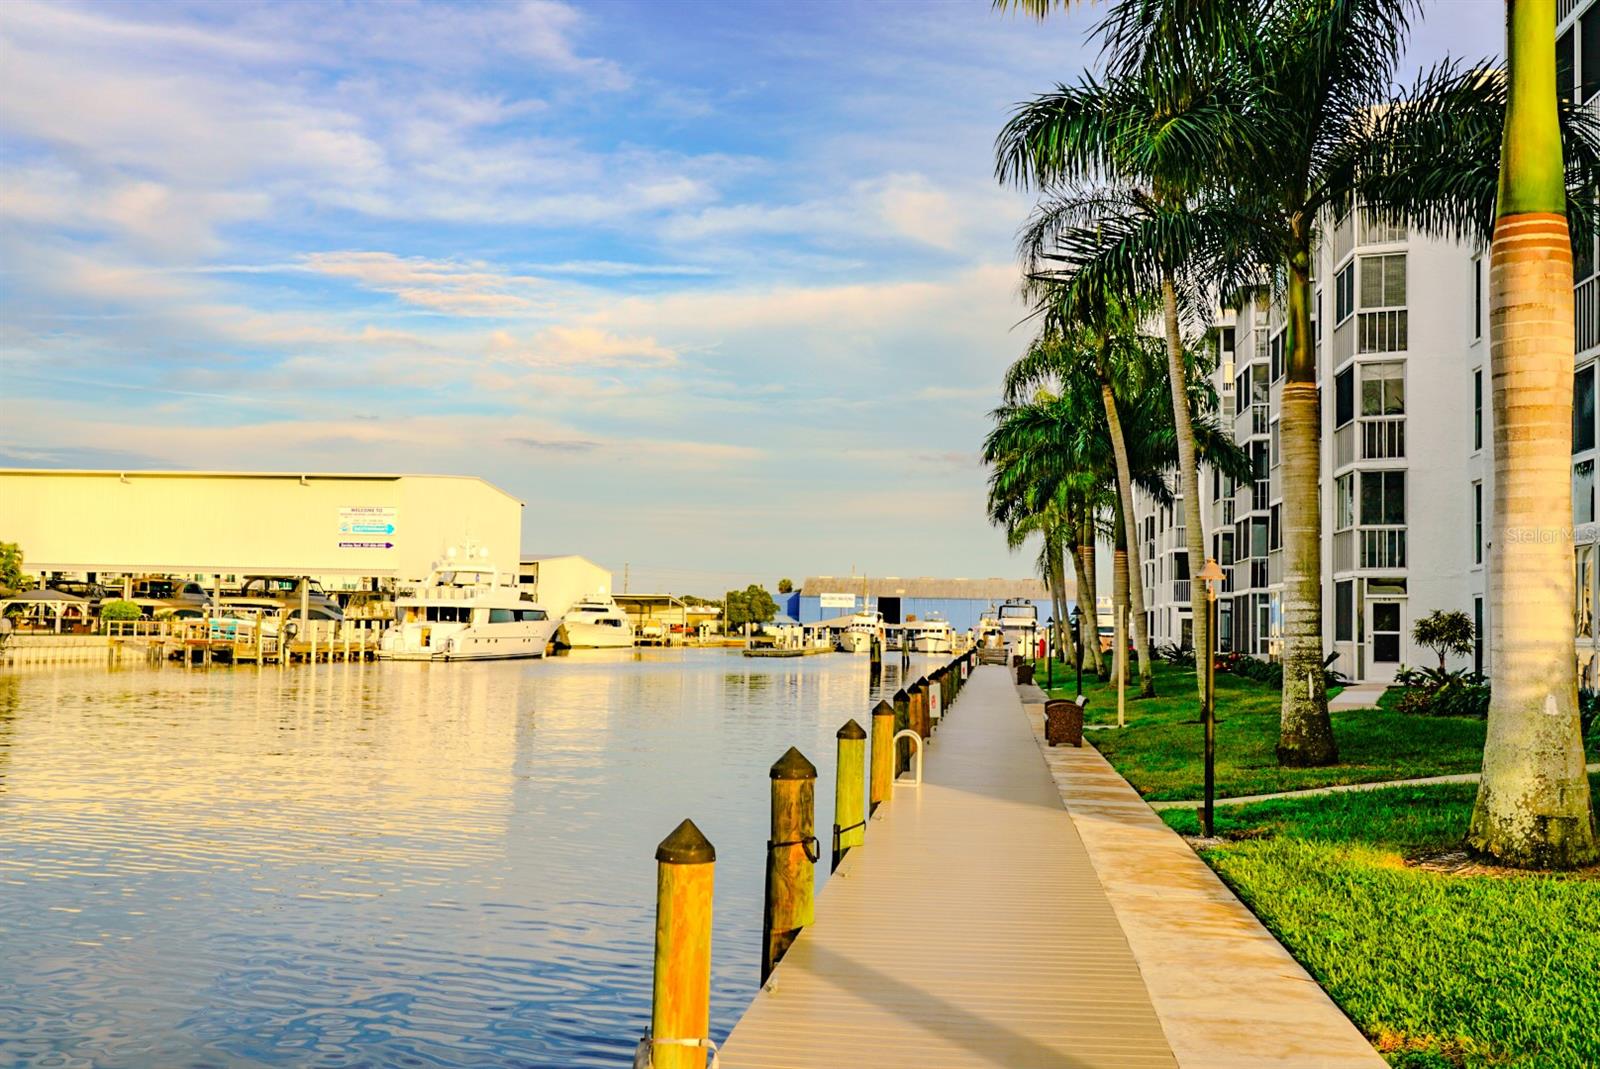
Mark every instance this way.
x=1357 y=696
x=970 y=930
x=1229 y=996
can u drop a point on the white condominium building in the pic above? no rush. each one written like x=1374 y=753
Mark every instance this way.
x=1402 y=350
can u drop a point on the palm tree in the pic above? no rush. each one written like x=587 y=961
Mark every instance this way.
x=1158 y=136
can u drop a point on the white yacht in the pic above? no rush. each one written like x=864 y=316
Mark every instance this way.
x=933 y=635
x=1019 y=625
x=857 y=637
x=595 y=622
x=465 y=612
x=991 y=634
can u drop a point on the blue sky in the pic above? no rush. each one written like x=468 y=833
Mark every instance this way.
x=721 y=290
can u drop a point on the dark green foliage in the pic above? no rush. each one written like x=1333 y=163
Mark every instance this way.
x=1510 y=963
x=1433 y=692
x=750 y=605
x=1174 y=654
x=119 y=610
x=1444 y=633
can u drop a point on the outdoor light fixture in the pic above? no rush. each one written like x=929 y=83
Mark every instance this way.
x=1212 y=576
x=1077 y=646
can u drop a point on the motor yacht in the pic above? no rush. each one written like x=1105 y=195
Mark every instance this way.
x=933 y=635
x=595 y=622
x=466 y=611
x=857 y=637
x=1019 y=625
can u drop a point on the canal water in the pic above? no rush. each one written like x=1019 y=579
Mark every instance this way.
x=382 y=864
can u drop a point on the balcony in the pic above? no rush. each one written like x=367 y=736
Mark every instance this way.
x=1180 y=591
x=1344 y=551
x=1383 y=438
x=1381 y=332
x=1382 y=547
x=1260 y=419
x=1344 y=445
x=1586 y=307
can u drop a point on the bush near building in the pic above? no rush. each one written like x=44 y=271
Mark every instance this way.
x=119 y=610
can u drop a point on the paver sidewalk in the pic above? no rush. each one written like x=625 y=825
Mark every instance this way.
x=970 y=930
x=1228 y=994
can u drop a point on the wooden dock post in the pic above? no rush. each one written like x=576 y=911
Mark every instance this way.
x=935 y=694
x=680 y=1007
x=791 y=857
x=883 y=756
x=920 y=722
x=902 y=721
x=849 y=808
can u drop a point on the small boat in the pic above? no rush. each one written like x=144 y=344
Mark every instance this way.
x=1019 y=625
x=595 y=622
x=933 y=635
x=857 y=637
x=464 y=611
x=991 y=633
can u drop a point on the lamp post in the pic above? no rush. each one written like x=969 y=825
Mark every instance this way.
x=1077 y=645
x=1211 y=575
x=1049 y=652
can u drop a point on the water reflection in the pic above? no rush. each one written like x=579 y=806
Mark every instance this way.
x=381 y=864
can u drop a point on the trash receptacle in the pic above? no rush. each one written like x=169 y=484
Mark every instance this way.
x=1024 y=675
x=1063 y=722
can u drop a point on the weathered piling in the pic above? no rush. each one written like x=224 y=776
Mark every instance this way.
x=680 y=1009
x=935 y=700
x=902 y=721
x=791 y=857
x=920 y=721
x=883 y=756
x=849 y=783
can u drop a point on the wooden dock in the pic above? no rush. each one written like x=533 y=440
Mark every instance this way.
x=969 y=930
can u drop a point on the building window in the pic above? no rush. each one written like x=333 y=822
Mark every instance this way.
x=1583 y=492
x=1589 y=54
x=1277 y=454
x=1477 y=297
x=1344 y=611
x=1566 y=69
x=1583 y=590
x=1276 y=349
x=1383 y=389
x=1583 y=410
x=1316 y=319
x=1383 y=281
x=1477 y=523
x=1383 y=498
x=1258 y=537
x=1477 y=409
x=1344 y=293
x=1477 y=635
x=1344 y=497
x=1275 y=528
x=1344 y=397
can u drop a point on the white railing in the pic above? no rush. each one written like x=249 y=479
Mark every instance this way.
x=1344 y=233
x=1344 y=551
x=1260 y=419
x=1383 y=438
x=1344 y=341
x=1376 y=231
x=1586 y=310
x=1275 y=567
x=1383 y=547
x=1344 y=445
x=1382 y=332
x=1181 y=592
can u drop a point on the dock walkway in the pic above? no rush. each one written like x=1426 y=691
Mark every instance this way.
x=971 y=930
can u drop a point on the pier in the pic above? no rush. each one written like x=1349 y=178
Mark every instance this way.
x=1009 y=904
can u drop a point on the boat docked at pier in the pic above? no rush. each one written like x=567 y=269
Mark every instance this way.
x=933 y=635
x=1019 y=625
x=466 y=611
x=596 y=622
x=857 y=637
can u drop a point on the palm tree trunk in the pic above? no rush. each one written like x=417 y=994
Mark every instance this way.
x=1188 y=470
x=1083 y=561
x=1305 y=733
x=1119 y=597
x=1119 y=448
x=1533 y=805
x=1058 y=592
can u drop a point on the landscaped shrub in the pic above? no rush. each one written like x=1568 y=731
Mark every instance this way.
x=1431 y=692
x=1174 y=654
x=119 y=610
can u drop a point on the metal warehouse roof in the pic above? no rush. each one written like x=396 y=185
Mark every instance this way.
x=927 y=587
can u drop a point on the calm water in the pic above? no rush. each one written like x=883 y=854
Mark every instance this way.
x=394 y=864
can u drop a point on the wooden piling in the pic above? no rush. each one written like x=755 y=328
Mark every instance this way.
x=902 y=721
x=680 y=1008
x=883 y=757
x=920 y=722
x=849 y=784
x=791 y=857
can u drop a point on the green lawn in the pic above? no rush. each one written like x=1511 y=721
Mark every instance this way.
x=1438 y=970
x=1159 y=751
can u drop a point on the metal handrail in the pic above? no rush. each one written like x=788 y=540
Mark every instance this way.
x=917 y=738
